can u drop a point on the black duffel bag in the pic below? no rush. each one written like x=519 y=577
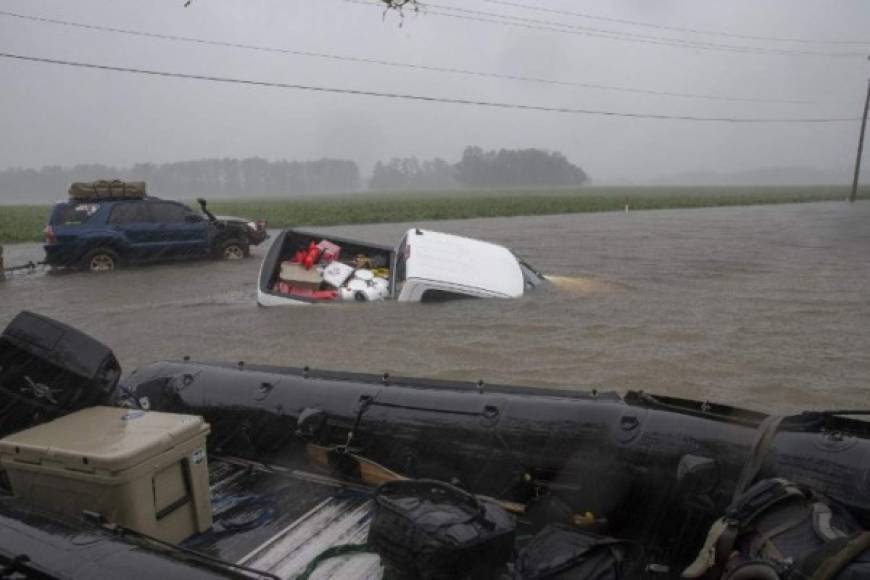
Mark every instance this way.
x=561 y=552
x=432 y=530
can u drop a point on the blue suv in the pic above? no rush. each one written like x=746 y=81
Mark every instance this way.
x=102 y=234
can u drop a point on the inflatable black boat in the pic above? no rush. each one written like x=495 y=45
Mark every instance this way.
x=358 y=476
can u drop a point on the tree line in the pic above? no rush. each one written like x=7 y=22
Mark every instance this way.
x=479 y=169
x=205 y=177
x=258 y=177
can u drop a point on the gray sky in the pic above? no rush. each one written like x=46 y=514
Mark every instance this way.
x=59 y=115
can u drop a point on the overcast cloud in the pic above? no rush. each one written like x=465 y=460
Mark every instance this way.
x=59 y=115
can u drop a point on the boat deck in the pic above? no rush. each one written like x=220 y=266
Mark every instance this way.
x=277 y=520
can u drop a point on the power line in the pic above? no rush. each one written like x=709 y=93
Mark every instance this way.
x=646 y=38
x=459 y=71
x=550 y=26
x=678 y=28
x=405 y=96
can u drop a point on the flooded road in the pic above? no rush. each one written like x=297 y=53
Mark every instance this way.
x=766 y=307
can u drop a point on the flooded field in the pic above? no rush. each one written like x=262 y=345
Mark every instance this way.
x=766 y=307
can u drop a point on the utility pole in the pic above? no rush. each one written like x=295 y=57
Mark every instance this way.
x=854 y=193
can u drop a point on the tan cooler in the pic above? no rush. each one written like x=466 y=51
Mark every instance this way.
x=141 y=469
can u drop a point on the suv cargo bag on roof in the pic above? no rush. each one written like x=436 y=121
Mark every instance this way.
x=104 y=189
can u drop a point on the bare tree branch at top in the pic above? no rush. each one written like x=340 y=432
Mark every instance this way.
x=401 y=4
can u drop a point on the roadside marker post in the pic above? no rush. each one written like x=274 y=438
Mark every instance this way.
x=854 y=195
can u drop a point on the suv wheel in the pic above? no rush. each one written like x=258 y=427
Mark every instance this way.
x=233 y=250
x=101 y=260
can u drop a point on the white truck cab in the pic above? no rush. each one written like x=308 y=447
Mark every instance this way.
x=432 y=265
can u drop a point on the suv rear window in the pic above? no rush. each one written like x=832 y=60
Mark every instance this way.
x=72 y=214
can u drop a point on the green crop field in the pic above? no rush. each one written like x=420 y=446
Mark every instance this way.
x=25 y=223
x=22 y=223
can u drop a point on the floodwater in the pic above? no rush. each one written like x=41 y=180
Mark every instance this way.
x=766 y=307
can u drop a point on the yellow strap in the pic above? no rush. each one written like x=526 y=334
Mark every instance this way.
x=373 y=473
x=835 y=564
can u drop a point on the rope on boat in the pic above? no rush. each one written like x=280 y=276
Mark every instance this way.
x=333 y=552
x=241 y=571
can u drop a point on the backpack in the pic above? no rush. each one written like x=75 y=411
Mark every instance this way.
x=562 y=552
x=778 y=530
x=432 y=530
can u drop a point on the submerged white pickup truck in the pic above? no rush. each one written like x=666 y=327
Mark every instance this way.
x=304 y=267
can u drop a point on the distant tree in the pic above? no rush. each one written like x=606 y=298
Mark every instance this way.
x=409 y=174
x=517 y=168
x=206 y=177
x=397 y=174
x=437 y=174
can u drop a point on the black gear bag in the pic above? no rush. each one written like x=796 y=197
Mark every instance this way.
x=431 y=530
